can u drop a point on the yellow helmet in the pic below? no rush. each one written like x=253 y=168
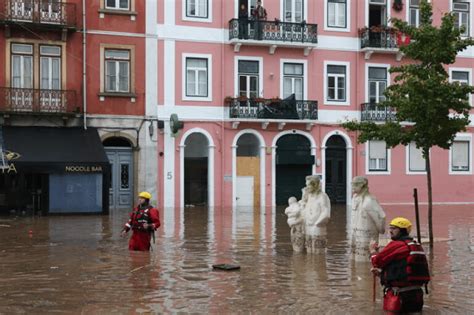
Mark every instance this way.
x=401 y=223
x=145 y=194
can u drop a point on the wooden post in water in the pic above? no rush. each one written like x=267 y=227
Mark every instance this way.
x=417 y=214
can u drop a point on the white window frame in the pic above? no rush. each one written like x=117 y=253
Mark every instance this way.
x=374 y=65
x=117 y=6
x=327 y=63
x=388 y=8
x=407 y=163
x=209 y=77
x=471 y=4
x=305 y=75
x=207 y=19
x=260 y=73
x=117 y=71
x=50 y=57
x=22 y=56
x=348 y=19
x=461 y=137
x=375 y=172
x=469 y=71
x=282 y=13
x=408 y=17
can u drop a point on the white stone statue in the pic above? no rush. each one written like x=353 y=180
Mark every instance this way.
x=367 y=219
x=316 y=213
x=296 y=223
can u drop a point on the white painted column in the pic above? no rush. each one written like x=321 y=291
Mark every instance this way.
x=349 y=175
x=210 y=178
x=149 y=151
x=234 y=177
x=273 y=180
x=263 y=179
x=169 y=99
x=323 y=167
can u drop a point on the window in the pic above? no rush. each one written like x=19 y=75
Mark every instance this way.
x=117 y=71
x=248 y=78
x=377 y=156
x=197 y=8
x=414 y=13
x=377 y=84
x=117 y=4
x=461 y=15
x=50 y=67
x=293 y=80
x=196 y=77
x=460 y=76
x=22 y=66
x=416 y=162
x=293 y=10
x=336 y=13
x=460 y=156
x=336 y=83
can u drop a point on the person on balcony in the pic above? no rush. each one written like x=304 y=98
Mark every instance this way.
x=259 y=15
x=243 y=22
x=143 y=221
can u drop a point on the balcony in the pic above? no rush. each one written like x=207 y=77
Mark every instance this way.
x=380 y=39
x=273 y=34
x=41 y=14
x=272 y=110
x=376 y=113
x=34 y=102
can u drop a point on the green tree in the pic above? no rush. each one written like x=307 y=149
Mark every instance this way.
x=429 y=109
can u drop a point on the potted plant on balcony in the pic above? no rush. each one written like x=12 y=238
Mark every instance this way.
x=397 y=5
x=228 y=99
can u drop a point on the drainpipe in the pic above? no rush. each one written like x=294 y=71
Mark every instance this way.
x=84 y=63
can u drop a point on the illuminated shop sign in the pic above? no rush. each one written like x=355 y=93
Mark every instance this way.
x=9 y=166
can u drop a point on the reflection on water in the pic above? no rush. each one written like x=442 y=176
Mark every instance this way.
x=79 y=264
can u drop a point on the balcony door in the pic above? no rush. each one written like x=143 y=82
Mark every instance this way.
x=293 y=11
x=50 y=11
x=50 y=78
x=377 y=84
x=377 y=12
x=293 y=80
x=248 y=78
x=21 y=94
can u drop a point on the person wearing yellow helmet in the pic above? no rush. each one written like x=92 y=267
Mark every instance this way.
x=143 y=221
x=402 y=267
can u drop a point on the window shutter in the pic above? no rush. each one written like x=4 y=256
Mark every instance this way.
x=377 y=150
x=460 y=151
x=416 y=160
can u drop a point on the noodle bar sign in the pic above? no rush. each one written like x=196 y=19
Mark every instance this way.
x=83 y=169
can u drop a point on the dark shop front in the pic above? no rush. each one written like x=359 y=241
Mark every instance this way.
x=46 y=170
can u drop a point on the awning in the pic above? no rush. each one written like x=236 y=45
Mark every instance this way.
x=53 y=149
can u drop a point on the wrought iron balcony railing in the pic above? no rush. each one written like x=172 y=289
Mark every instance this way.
x=51 y=13
x=34 y=101
x=272 y=109
x=273 y=31
x=378 y=37
x=375 y=112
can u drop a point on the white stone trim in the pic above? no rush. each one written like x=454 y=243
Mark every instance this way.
x=210 y=165
x=389 y=161
x=461 y=137
x=197 y=19
x=469 y=71
x=262 y=152
x=349 y=149
x=347 y=64
x=348 y=19
x=274 y=147
x=260 y=73
x=207 y=98
x=305 y=75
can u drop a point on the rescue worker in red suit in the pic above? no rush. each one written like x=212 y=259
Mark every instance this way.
x=144 y=220
x=396 y=264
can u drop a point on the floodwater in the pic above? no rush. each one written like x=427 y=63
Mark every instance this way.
x=80 y=265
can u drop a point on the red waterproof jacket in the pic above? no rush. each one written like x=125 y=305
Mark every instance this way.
x=139 y=216
x=392 y=259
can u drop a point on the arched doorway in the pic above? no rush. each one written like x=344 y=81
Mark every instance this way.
x=293 y=163
x=248 y=171
x=119 y=152
x=336 y=169
x=196 y=170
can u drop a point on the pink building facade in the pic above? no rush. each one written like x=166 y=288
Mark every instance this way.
x=263 y=102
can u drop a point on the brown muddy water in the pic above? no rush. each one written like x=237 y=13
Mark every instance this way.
x=80 y=265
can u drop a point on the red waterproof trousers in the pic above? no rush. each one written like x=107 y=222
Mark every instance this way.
x=140 y=240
